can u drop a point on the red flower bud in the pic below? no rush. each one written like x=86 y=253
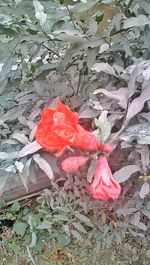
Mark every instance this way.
x=104 y=186
x=72 y=163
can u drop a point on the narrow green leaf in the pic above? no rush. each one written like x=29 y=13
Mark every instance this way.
x=33 y=240
x=82 y=217
x=77 y=235
x=80 y=227
x=60 y=217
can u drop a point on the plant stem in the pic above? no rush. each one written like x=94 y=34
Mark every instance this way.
x=70 y=83
x=49 y=49
x=70 y=14
x=117 y=32
x=128 y=6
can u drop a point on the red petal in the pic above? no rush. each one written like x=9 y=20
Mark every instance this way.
x=86 y=140
x=59 y=128
x=113 y=190
x=99 y=193
x=72 y=117
x=106 y=148
x=47 y=116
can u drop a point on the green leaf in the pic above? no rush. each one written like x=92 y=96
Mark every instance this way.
x=84 y=1
x=61 y=217
x=43 y=165
x=125 y=173
x=20 y=228
x=3 y=204
x=119 y=237
x=15 y=247
x=63 y=241
x=33 y=240
x=138 y=21
x=80 y=227
x=83 y=218
x=77 y=235
x=104 y=129
x=138 y=132
x=3 y=85
x=145 y=189
x=45 y=225
x=39 y=246
x=108 y=2
x=15 y=207
x=6 y=69
x=5 y=19
x=103 y=67
x=66 y=229
x=39 y=12
x=17 y=2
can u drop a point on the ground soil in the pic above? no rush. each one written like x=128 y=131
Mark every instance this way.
x=124 y=254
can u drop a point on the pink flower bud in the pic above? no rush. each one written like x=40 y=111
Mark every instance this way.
x=72 y=163
x=104 y=186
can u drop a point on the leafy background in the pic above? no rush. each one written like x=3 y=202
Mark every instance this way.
x=100 y=68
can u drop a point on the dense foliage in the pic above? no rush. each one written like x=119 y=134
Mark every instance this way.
x=99 y=68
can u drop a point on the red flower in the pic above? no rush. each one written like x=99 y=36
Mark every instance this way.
x=59 y=128
x=72 y=163
x=104 y=186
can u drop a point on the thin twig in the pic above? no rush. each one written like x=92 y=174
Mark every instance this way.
x=70 y=83
x=49 y=49
x=79 y=82
x=70 y=14
x=24 y=197
x=117 y=32
x=104 y=39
